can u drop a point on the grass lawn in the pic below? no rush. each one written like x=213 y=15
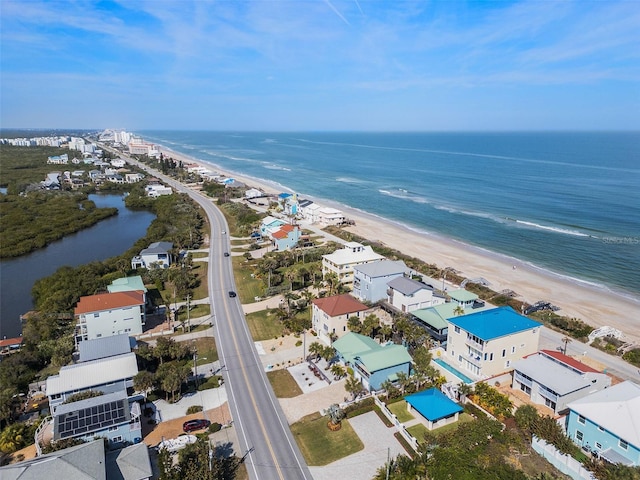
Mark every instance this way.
x=284 y=386
x=202 y=290
x=264 y=325
x=206 y=348
x=319 y=445
x=197 y=311
x=248 y=287
x=400 y=411
x=418 y=430
x=200 y=255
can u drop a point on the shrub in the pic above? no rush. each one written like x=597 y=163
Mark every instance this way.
x=194 y=409
x=215 y=427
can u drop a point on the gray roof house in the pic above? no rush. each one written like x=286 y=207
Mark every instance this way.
x=156 y=255
x=370 y=279
x=104 y=347
x=553 y=379
x=84 y=462
x=407 y=295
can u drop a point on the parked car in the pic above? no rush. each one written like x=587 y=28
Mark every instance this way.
x=226 y=254
x=232 y=293
x=197 y=424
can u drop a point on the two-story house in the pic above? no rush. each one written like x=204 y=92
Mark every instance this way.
x=94 y=399
x=128 y=284
x=553 y=379
x=286 y=237
x=270 y=224
x=109 y=314
x=487 y=343
x=608 y=423
x=406 y=295
x=370 y=279
x=329 y=315
x=372 y=363
x=342 y=261
x=156 y=255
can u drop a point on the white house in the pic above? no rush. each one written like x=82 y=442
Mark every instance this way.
x=330 y=216
x=156 y=255
x=342 y=261
x=329 y=315
x=407 y=295
x=157 y=190
x=553 y=379
x=107 y=314
x=118 y=162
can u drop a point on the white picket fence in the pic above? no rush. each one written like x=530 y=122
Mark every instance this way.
x=397 y=424
x=565 y=463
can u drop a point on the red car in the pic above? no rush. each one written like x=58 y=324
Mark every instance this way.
x=197 y=424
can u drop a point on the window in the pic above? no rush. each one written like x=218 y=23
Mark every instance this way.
x=581 y=419
x=622 y=444
x=598 y=445
x=457 y=329
x=600 y=429
x=579 y=435
x=507 y=364
x=504 y=352
x=96 y=315
x=491 y=357
x=113 y=429
x=513 y=349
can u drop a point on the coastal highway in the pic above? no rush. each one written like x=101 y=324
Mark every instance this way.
x=269 y=449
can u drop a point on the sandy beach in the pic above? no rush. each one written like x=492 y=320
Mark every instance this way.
x=593 y=305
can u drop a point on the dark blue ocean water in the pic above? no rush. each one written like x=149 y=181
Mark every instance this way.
x=564 y=202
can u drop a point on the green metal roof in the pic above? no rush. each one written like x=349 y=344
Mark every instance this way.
x=370 y=353
x=385 y=357
x=462 y=295
x=127 y=284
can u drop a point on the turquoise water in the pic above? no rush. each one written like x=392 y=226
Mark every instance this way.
x=565 y=202
x=449 y=368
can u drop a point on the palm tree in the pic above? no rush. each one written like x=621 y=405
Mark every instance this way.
x=328 y=353
x=353 y=386
x=143 y=381
x=337 y=371
x=316 y=349
x=458 y=311
x=354 y=324
x=371 y=322
x=566 y=340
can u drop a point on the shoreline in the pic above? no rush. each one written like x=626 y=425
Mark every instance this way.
x=596 y=305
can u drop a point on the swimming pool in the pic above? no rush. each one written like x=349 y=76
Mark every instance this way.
x=457 y=373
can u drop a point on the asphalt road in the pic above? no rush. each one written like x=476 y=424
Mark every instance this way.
x=264 y=435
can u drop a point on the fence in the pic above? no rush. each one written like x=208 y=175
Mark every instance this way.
x=565 y=463
x=399 y=426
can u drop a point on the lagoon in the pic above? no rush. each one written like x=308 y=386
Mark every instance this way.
x=106 y=239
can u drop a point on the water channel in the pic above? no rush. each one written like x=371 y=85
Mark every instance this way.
x=106 y=239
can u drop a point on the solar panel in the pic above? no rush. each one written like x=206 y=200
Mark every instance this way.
x=92 y=418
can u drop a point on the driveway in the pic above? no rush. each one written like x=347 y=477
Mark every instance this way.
x=377 y=439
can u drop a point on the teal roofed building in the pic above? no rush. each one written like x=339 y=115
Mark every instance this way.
x=435 y=407
x=372 y=363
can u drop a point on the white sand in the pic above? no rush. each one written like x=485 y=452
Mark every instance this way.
x=593 y=305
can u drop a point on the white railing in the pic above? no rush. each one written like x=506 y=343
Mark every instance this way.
x=38 y=437
x=565 y=463
x=396 y=423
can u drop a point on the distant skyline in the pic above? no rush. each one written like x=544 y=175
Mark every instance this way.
x=320 y=65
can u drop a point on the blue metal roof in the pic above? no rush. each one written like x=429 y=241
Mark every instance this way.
x=494 y=323
x=433 y=405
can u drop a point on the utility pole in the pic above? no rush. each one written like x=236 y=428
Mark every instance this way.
x=189 y=313
x=388 y=462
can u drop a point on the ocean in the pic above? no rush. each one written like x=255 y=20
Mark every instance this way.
x=564 y=202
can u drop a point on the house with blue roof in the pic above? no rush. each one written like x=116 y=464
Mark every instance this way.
x=372 y=363
x=435 y=407
x=488 y=342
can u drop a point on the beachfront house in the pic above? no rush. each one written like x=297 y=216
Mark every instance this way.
x=372 y=363
x=608 y=423
x=488 y=342
x=87 y=461
x=91 y=400
x=330 y=216
x=434 y=407
x=553 y=379
x=406 y=295
x=107 y=314
x=253 y=193
x=329 y=315
x=435 y=319
x=342 y=261
x=156 y=255
x=370 y=279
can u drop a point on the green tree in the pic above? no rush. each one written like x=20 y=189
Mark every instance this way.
x=370 y=324
x=144 y=381
x=354 y=324
x=337 y=370
x=316 y=349
x=353 y=386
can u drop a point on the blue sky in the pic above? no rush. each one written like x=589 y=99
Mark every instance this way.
x=320 y=65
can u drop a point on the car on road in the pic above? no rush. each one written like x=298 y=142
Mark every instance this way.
x=232 y=293
x=223 y=232
x=226 y=254
x=196 y=424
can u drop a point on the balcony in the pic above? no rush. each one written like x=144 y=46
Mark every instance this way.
x=475 y=345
